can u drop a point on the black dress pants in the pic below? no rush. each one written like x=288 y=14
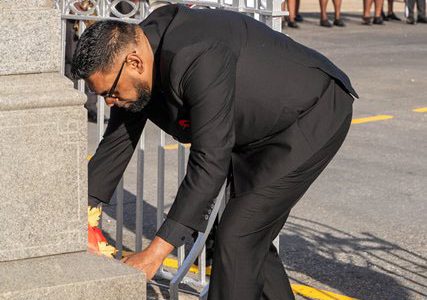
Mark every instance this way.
x=246 y=265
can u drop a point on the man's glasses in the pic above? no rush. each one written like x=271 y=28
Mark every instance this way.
x=110 y=93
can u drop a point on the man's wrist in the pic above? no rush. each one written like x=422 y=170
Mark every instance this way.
x=160 y=248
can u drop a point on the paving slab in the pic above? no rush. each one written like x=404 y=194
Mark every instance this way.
x=79 y=275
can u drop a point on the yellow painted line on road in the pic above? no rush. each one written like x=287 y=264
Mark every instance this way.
x=312 y=293
x=299 y=289
x=127 y=253
x=371 y=119
x=175 y=146
x=302 y=290
x=173 y=263
x=420 y=109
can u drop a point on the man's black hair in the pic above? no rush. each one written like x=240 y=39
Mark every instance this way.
x=99 y=45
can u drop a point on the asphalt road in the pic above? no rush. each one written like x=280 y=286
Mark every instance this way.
x=361 y=229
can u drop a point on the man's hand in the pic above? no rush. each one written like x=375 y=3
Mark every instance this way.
x=150 y=259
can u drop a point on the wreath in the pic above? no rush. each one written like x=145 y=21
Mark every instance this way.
x=97 y=243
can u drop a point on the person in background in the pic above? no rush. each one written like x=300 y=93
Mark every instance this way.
x=391 y=16
x=421 y=10
x=294 y=16
x=367 y=20
x=324 y=21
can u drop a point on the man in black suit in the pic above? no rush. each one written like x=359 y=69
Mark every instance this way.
x=257 y=107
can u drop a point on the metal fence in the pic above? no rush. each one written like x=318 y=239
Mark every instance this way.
x=83 y=11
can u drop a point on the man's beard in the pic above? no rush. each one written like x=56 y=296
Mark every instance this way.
x=144 y=96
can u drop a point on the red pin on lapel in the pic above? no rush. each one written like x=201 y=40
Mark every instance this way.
x=184 y=123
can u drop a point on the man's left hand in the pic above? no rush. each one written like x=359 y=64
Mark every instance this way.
x=150 y=259
x=144 y=262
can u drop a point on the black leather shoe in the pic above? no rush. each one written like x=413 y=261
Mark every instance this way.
x=385 y=18
x=410 y=20
x=293 y=24
x=366 y=20
x=422 y=20
x=325 y=23
x=393 y=17
x=339 y=23
x=378 y=21
x=299 y=18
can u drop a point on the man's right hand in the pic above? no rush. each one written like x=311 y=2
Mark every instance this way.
x=150 y=259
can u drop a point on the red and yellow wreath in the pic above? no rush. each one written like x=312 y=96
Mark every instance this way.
x=97 y=243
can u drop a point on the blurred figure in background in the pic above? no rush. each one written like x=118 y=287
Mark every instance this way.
x=324 y=21
x=293 y=9
x=367 y=20
x=421 y=11
x=391 y=16
x=71 y=42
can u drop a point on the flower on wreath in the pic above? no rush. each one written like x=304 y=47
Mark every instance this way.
x=97 y=243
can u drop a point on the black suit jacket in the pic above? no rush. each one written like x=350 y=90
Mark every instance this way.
x=242 y=94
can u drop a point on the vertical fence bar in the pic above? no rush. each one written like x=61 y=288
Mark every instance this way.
x=106 y=11
x=275 y=20
x=202 y=266
x=256 y=15
x=63 y=44
x=181 y=174
x=119 y=219
x=204 y=293
x=181 y=255
x=81 y=82
x=100 y=112
x=61 y=5
x=100 y=129
x=276 y=243
x=181 y=163
x=140 y=194
x=160 y=182
x=160 y=179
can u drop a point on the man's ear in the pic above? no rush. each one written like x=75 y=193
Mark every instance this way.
x=135 y=62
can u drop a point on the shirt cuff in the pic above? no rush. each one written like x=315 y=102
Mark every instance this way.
x=94 y=202
x=175 y=233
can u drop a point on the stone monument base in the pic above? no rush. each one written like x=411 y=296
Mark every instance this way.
x=79 y=275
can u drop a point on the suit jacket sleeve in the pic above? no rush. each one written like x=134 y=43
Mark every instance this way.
x=207 y=88
x=114 y=153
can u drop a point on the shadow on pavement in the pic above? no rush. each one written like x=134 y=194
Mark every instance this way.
x=149 y=215
x=363 y=266
x=359 y=265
